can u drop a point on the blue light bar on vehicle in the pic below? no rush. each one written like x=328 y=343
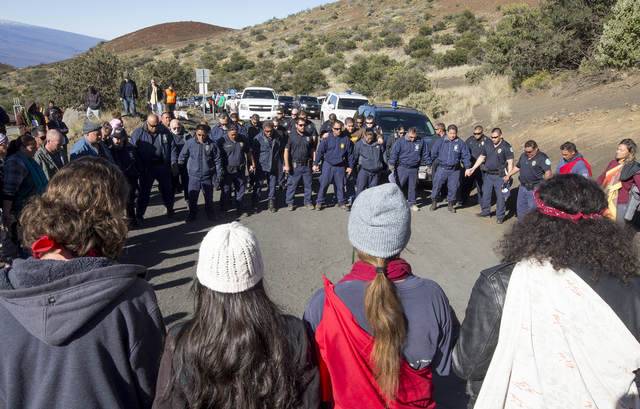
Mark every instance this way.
x=349 y=91
x=394 y=104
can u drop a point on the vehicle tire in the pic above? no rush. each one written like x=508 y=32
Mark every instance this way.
x=322 y=118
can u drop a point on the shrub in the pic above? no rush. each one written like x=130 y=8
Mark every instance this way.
x=391 y=41
x=170 y=72
x=621 y=35
x=401 y=81
x=419 y=47
x=428 y=102
x=451 y=58
x=308 y=77
x=445 y=39
x=425 y=31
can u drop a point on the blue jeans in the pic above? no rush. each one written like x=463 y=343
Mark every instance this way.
x=157 y=108
x=129 y=102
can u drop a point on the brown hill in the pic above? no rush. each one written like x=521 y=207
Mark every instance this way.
x=165 y=34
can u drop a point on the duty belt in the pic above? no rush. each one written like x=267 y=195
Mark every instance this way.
x=529 y=186
x=156 y=161
x=454 y=167
x=409 y=167
x=493 y=172
x=296 y=164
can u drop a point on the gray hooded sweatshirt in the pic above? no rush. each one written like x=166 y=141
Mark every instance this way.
x=84 y=333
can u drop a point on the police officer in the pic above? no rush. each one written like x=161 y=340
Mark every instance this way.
x=298 y=153
x=337 y=152
x=475 y=143
x=180 y=137
x=391 y=140
x=534 y=167
x=326 y=126
x=254 y=128
x=309 y=126
x=498 y=162
x=282 y=120
x=203 y=161
x=219 y=131
x=281 y=133
x=360 y=121
x=405 y=159
x=449 y=151
x=441 y=132
x=369 y=156
x=370 y=123
x=236 y=154
x=294 y=120
x=157 y=152
x=267 y=151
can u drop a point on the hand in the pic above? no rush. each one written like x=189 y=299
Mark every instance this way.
x=174 y=169
x=8 y=218
x=349 y=170
x=380 y=141
x=506 y=179
x=285 y=169
x=428 y=169
x=220 y=179
x=316 y=168
x=468 y=172
x=252 y=169
x=120 y=99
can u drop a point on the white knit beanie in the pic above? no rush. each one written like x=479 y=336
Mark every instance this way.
x=230 y=260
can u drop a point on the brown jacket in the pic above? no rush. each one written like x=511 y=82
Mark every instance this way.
x=26 y=125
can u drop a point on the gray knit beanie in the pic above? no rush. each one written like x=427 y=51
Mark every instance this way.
x=230 y=260
x=380 y=221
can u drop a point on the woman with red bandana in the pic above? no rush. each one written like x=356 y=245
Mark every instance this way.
x=79 y=329
x=558 y=324
x=381 y=331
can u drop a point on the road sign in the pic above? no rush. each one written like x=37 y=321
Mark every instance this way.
x=232 y=92
x=203 y=88
x=202 y=75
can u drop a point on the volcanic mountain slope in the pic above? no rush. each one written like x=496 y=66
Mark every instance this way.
x=165 y=34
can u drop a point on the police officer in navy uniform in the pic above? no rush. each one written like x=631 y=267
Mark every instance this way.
x=337 y=152
x=475 y=144
x=405 y=159
x=370 y=123
x=236 y=154
x=534 y=167
x=267 y=151
x=157 y=152
x=309 y=126
x=449 y=151
x=498 y=162
x=282 y=120
x=298 y=154
x=369 y=154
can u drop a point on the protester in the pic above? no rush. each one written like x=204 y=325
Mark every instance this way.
x=51 y=157
x=29 y=118
x=128 y=95
x=116 y=121
x=23 y=178
x=381 y=331
x=557 y=326
x=180 y=182
x=572 y=161
x=91 y=144
x=238 y=350
x=94 y=102
x=79 y=329
x=619 y=177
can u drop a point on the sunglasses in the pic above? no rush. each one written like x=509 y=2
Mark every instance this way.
x=337 y=129
x=477 y=133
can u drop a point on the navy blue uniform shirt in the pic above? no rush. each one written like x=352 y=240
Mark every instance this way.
x=450 y=153
x=497 y=156
x=300 y=147
x=234 y=154
x=533 y=170
x=408 y=154
x=336 y=150
x=475 y=146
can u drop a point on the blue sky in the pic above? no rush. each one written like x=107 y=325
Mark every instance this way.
x=108 y=20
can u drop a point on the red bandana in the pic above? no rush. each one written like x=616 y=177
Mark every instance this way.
x=563 y=215
x=44 y=244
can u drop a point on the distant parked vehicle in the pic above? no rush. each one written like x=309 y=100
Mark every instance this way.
x=258 y=100
x=182 y=102
x=286 y=103
x=343 y=104
x=310 y=105
x=195 y=101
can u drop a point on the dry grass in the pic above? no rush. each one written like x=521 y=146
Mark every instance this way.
x=451 y=72
x=500 y=111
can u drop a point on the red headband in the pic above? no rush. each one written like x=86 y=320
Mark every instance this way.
x=563 y=215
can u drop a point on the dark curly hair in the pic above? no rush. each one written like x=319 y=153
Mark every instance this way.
x=601 y=245
x=82 y=209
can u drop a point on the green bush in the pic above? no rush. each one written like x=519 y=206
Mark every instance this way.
x=451 y=58
x=419 y=47
x=425 y=31
x=308 y=77
x=620 y=42
x=445 y=39
x=167 y=72
x=391 y=41
x=428 y=102
x=402 y=81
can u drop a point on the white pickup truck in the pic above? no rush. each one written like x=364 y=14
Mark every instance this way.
x=258 y=100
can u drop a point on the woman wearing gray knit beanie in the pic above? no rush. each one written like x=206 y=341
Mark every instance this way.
x=238 y=350
x=380 y=331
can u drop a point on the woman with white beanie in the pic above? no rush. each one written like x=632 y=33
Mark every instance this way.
x=238 y=350
x=381 y=330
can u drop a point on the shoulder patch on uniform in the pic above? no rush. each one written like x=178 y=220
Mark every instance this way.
x=548 y=162
x=511 y=149
x=242 y=144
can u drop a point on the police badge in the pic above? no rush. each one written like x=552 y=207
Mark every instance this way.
x=533 y=163
x=207 y=147
x=499 y=150
x=342 y=146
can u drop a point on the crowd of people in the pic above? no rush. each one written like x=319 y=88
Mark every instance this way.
x=555 y=325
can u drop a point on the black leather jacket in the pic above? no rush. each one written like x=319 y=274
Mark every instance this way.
x=479 y=332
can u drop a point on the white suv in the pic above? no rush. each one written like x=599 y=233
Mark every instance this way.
x=343 y=104
x=258 y=100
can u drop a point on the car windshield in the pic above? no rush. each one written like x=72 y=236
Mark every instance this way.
x=285 y=98
x=309 y=99
x=259 y=94
x=350 y=103
x=198 y=98
x=390 y=122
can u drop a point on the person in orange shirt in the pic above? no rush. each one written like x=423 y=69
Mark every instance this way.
x=169 y=99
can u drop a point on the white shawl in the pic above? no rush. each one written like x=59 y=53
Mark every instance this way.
x=560 y=346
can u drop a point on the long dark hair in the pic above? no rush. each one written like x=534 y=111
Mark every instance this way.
x=234 y=352
x=601 y=245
